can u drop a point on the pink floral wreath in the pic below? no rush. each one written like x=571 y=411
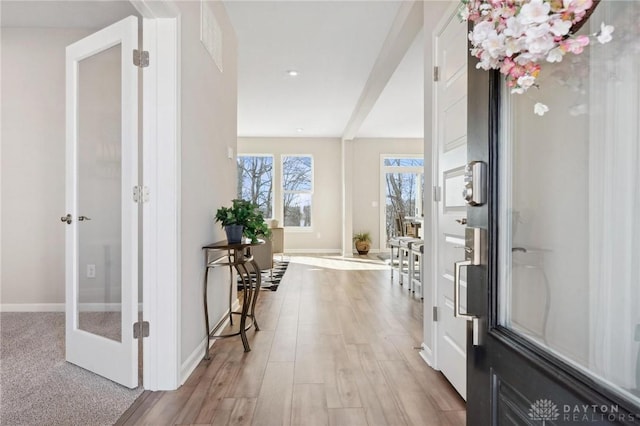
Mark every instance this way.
x=515 y=36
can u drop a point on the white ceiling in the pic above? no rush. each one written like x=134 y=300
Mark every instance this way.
x=333 y=45
x=64 y=14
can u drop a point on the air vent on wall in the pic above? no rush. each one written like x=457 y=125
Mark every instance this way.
x=211 y=34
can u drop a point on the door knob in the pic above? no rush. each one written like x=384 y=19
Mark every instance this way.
x=67 y=219
x=462 y=221
x=81 y=218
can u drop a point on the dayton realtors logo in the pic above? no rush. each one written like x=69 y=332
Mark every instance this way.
x=546 y=410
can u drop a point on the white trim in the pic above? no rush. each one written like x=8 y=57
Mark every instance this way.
x=192 y=361
x=314 y=251
x=426 y=354
x=32 y=307
x=161 y=215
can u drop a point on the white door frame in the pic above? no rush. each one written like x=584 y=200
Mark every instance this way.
x=431 y=355
x=161 y=175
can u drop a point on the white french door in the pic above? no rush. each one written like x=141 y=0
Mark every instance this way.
x=451 y=157
x=102 y=218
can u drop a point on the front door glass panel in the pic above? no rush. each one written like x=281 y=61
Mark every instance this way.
x=570 y=234
x=99 y=192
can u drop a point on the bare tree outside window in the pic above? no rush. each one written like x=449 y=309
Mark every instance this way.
x=255 y=182
x=297 y=190
x=402 y=189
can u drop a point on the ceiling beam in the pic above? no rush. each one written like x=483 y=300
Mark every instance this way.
x=405 y=28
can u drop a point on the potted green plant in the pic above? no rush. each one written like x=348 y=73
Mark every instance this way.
x=242 y=218
x=362 y=241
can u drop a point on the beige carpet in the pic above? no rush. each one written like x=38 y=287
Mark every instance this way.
x=38 y=387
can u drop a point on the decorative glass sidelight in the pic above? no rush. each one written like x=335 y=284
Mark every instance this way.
x=570 y=234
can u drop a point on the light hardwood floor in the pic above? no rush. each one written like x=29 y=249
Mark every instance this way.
x=337 y=346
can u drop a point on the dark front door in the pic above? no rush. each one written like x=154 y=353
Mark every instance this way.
x=556 y=298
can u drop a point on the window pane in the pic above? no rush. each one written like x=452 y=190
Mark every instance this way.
x=569 y=204
x=297 y=173
x=255 y=182
x=401 y=196
x=297 y=210
x=404 y=162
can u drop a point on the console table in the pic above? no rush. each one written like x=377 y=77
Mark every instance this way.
x=234 y=256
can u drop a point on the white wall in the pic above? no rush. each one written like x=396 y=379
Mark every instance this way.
x=33 y=164
x=326 y=229
x=366 y=180
x=208 y=127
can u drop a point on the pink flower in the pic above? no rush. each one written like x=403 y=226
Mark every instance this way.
x=517 y=71
x=507 y=65
x=575 y=45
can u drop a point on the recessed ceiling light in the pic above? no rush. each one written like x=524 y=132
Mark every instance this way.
x=292 y=73
x=299 y=130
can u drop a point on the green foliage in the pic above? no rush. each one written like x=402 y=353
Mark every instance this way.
x=365 y=237
x=244 y=213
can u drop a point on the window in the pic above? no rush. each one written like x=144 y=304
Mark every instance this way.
x=297 y=190
x=255 y=181
x=403 y=190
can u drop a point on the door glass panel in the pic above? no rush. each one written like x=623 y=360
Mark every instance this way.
x=99 y=194
x=570 y=200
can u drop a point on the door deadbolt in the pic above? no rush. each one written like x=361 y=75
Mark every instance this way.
x=475 y=183
x=67 y=219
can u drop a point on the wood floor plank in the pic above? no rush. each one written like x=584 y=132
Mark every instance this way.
x=309 y=406
x=242 y=413
x=248 y=381
x=217 y=390
x=191 y=409
x=222 y=414
x=453 y=418
x=347 y=417
x=167 y=407
x=139 y=408
x=274 y=401
x=336 y=347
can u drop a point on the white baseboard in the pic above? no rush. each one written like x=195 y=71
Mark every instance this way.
x=194 y=359
x=60 y=307
x=427 y=355
x=32 y=307
x=313 y=251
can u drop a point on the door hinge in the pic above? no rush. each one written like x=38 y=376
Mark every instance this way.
x=435 y=314
x=437 y=193
x=436 y=73
x=140 y=194
x=140 y=58
x=141 y=329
